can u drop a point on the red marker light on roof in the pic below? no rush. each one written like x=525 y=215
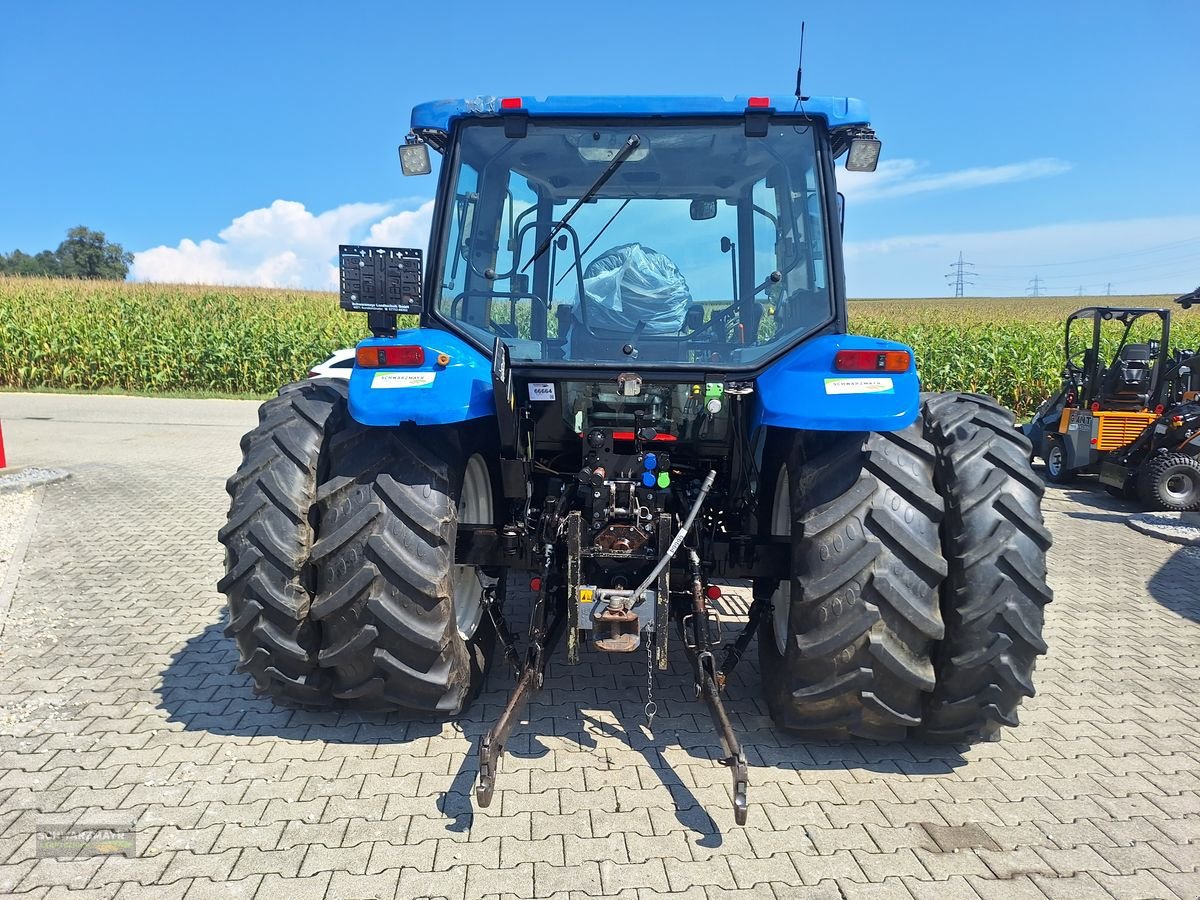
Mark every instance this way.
x=510 y=103
x=759 y=102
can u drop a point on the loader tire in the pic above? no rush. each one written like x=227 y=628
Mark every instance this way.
x=846 y=649
x=390 y=601
x=1171 y=482
x=1056 y=461
x=268 y=536
x=995 y=543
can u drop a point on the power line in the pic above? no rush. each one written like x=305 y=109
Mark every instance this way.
x=957 y=276
x=1035 y=287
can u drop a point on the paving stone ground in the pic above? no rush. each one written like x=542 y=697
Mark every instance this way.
x=119 y=707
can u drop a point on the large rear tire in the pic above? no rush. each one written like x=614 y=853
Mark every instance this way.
x=995 y=543
x=402 y=626
x=268 y=535
x=846 y=651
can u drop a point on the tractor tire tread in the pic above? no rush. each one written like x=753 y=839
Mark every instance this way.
x=268 y=536
x=384 y=563
x=864 y=612
x=996 y=543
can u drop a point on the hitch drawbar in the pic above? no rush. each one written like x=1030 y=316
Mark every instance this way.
x=623 y=629
x=697 y=637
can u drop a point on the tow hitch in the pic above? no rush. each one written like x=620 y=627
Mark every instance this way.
x=697 y=638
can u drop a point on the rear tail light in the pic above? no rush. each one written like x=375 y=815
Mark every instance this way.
x=872 y=361
x=390 y=356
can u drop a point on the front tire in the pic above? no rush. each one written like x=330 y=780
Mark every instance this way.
x=402 y=626
x=995 y=543
x=846 y=651
x=1056 y=461
x=1171 y=482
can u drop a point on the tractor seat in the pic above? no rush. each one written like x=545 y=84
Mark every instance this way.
x=1127 y=381
x=1136 y=353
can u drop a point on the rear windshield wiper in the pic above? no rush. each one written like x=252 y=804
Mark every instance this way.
x=631 y=144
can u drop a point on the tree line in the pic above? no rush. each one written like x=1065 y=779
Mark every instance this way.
x=83 y=254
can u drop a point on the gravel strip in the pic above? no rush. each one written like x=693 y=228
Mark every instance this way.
x=17 y=514
x=1178 y=528
x=29 y=476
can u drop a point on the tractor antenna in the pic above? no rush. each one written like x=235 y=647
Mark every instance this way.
x=800 y=68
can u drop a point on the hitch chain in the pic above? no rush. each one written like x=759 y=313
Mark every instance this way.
x=651 y=706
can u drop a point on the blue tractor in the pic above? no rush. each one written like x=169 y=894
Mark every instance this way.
x=632 y=379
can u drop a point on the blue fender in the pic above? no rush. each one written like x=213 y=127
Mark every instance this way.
x=429 y=394
x=802 y=390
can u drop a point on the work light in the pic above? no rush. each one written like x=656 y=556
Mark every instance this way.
x=414 y=157
x=863 y=155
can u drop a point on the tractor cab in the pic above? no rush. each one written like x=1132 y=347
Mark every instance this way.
x=669 y=233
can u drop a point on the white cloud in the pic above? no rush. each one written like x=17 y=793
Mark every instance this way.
x=407 y=228
x=283 y=245
x=1134 y=256
x=902 y=178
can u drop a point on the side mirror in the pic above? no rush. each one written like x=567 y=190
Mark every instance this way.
x=726 y=245
x=693 y=319
x=414 y=158
x=863 y=155
x=703 y=209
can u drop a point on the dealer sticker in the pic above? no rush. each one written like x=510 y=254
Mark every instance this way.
x=541 y=390
x=402 y=379
x=859 y=386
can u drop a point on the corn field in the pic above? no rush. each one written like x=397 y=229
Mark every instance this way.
x=149 y=338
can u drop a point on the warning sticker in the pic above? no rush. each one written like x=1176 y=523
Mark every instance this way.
x=859 y=386
x=402 y=379
x=541 y=390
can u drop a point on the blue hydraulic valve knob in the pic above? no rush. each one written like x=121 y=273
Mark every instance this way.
x=648 y=479
x=651 y=462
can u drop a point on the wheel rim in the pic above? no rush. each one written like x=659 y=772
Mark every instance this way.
x=781 y=525
x=1179 y=487
x=1054 y=462
x=474 y=508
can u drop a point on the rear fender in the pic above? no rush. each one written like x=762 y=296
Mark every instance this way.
x=802 y=390
x=432 y=393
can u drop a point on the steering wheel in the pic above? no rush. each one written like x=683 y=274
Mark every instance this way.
x=722 y=319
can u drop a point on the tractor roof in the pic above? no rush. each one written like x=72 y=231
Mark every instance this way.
x=437 y=115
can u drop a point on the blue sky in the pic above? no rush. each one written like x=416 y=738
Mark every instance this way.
x=240 y=143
